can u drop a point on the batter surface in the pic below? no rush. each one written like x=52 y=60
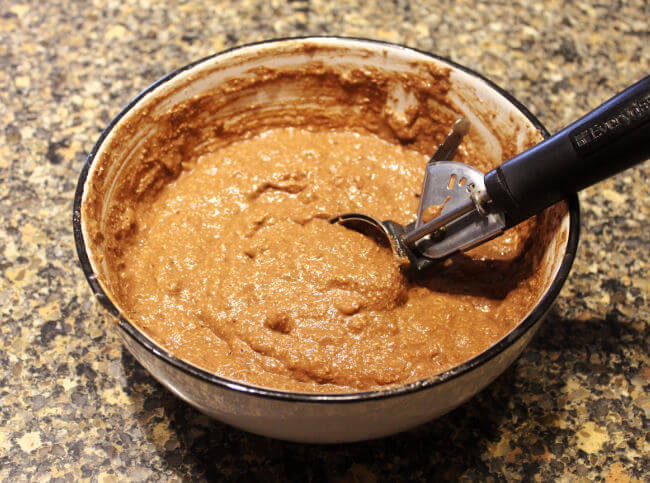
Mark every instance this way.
x=234 y=267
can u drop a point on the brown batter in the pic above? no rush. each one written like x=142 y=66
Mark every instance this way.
x=216 y=241
x=236 y=269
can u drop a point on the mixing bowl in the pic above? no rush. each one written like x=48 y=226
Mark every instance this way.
x=305 y=417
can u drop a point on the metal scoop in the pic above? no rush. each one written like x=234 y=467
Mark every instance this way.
x=438 y=173
x=460 y=207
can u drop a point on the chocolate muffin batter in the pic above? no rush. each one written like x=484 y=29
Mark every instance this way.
x=213 y=237
x=235 y=268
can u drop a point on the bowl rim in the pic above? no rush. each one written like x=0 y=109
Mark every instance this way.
x=480 y=359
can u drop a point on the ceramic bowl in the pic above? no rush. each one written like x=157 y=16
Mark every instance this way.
x=315 y=418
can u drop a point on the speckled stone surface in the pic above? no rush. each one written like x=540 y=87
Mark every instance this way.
x=74 y=404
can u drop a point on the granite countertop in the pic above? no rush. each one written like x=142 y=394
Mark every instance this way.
x=75 y=404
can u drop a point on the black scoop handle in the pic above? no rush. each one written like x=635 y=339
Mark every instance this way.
x=608 y=140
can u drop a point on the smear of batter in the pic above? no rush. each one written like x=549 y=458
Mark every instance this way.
x=234 y=267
